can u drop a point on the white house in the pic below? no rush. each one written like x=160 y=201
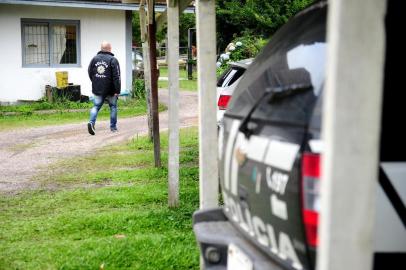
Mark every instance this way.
x=38 y=38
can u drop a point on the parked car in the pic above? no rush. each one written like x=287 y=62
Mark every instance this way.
x=226 y=84
x=137 y=64
x=270 y=147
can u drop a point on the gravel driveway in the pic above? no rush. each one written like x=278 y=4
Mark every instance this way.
x=24 y=152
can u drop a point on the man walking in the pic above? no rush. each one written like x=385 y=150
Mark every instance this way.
x=104 y=72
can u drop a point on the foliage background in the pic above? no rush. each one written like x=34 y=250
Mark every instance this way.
x=252 y=22
x=186 y=21
x=236 y=18
x=259 y=18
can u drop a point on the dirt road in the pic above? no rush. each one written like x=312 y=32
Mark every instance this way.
x=25 y=152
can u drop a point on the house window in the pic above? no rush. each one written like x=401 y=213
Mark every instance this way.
x=50 y=43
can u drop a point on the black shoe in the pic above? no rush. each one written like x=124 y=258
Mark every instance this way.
x=91 y=129
x=113 y=129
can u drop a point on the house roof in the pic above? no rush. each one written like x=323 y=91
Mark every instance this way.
x=160 y=5
x=163 y=2
x=159 y=2
x=100 y=4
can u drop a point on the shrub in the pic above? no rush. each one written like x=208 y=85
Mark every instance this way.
x=60 y=96
x=247 y=46
x=138 y=90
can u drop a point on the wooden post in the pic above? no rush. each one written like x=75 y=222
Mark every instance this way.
x=147 y=73
x=154 y=82
x=173 y=121
x=351 y=126
x=206 y=65
x=190 y=32
x=128 y=49
x=48 y=93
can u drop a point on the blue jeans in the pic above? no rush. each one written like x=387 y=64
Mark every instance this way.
x=98 y=103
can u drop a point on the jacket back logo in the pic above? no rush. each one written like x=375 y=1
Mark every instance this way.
x=101 y=70
x=101 y=67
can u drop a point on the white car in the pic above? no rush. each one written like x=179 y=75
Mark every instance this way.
x=226 y=85
x=137 y=64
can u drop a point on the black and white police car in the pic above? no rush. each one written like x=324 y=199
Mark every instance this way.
x=269 y=150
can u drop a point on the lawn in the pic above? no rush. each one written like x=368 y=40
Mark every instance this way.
x=44 y=113
x=107 y=211
x=163 y=72
x=184 y=83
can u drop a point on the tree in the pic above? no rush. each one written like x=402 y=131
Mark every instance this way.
x=136 y=29
x=186 y=21
x=259 y=18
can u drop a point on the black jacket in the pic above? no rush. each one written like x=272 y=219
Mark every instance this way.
x=104 y=72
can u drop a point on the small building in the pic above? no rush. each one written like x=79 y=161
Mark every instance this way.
x=39 y=38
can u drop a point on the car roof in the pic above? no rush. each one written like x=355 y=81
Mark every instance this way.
x=242 y=63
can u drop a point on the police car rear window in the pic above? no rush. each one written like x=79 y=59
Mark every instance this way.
x=298 y=45
x=295 y=109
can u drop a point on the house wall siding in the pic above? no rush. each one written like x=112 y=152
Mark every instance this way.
x=96 y=25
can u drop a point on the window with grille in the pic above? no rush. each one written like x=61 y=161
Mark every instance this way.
x=50 y=43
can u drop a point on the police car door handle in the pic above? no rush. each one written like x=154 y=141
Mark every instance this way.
x=243 y=196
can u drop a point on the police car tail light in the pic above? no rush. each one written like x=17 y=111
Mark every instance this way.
x=310 y=195
x=223 y=102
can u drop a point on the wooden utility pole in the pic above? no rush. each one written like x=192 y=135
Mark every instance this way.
x=147 y=74
x=351 y=127
x=206 y=67
x=154 y=82
x=173 y=110
x=190 y=33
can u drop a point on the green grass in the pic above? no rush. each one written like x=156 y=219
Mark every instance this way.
x=186 y=85
x=114 y=215
x=163 y=72
x=44 y=105
x=27 y=117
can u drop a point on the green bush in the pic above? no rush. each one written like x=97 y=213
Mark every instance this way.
x=247 y=46
x=138 y=91
x=250 y=47
x=60 y=95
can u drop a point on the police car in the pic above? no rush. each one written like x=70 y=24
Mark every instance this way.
x=269 y=151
